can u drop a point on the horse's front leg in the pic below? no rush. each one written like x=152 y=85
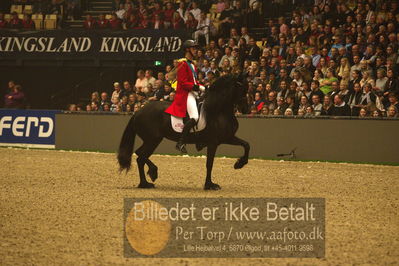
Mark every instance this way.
x=209 y=185
x=244 y=159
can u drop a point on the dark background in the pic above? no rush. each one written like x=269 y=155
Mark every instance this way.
x=56 y=86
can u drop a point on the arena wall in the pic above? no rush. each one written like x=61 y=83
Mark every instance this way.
x=350 y=140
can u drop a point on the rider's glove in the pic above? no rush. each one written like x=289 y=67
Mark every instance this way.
x=196 y=87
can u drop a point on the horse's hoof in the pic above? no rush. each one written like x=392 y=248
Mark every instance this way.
x=153 y=173
x=146 y=185
x=212 y=186
x=240 y=163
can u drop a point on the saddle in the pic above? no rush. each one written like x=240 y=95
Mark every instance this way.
x=178 y=122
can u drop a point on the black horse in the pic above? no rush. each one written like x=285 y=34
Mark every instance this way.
x=152 y=124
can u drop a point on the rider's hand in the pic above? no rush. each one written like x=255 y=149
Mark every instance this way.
x=196 y=87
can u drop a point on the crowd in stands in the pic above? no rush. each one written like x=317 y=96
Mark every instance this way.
x=62 y=9
x=330 y=57
x=200 y=17
x=337 y=58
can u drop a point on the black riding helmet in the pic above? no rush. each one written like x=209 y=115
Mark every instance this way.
x=189 y=43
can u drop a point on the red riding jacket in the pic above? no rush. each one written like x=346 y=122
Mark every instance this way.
x=185 y=83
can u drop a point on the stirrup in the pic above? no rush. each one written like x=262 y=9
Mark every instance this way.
x=180 y=146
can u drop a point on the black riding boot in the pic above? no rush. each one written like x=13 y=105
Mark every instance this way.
x=180 y=145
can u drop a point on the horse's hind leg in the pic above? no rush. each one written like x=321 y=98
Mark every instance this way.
x=143 y=153
x=152 y=170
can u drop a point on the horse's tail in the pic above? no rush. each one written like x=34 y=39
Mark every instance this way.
x=126 y=146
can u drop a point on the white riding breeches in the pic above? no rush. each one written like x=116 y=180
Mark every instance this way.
x=192 y=109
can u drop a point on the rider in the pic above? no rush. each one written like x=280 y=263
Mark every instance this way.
x=187 y=82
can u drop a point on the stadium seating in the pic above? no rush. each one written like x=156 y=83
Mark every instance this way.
x=16 y=8
x=7 y=17
x=28 y=9
x=50 y=22
x=38 y=20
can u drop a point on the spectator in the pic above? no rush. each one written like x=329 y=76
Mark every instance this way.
x=327 y=106
x=133 y=22
x=171 y=97
x=344 y=91
x=368 y=97
x=177 y=21
x=102 y=22
x=392 y=112
x=281 y=104
x=381 y=81
x=140 y=81
x=127 y=88
x=343 y=71
x=195 y=11
x=392 y=85
x=226 y=20
x=303 y=104
x=116 y=94
x=95 y=97
x=124 y=104
x=27 y=23
x=244 y=34
x=114 y=105
x=132 y=98
x=316 y=106
x=115 y=23
x=253 y=50
x=89 y=23
x=168 y=15
x=157 y=11
x=227 y=56
x=94 y=106
x=15 y=98
x=271 y=102
x=288 y=112
x=220 y=6
x=182 y=10
x=191 y=22
x=121 y=12
x=355 y=99
x=367 y=79
x=340 y=108
x=15 y=22
x=265 y=111
x=202 y=28
x=72 y=107
x=149 y=80
x=327 y=82
x=363 y=113
x=392 y=101
x=157 y=23
x=103 y=101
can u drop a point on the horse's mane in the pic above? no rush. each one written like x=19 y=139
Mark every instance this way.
x=219 y=96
